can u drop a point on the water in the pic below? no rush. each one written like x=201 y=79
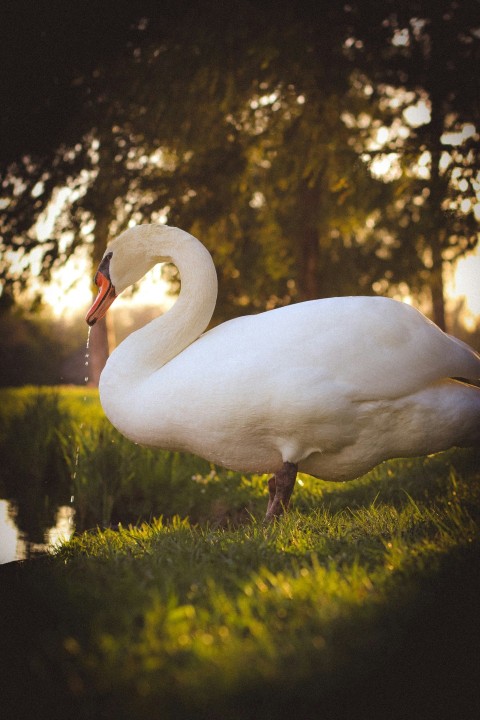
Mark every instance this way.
x=77 y=449
x=87 y=356
x=15 y=544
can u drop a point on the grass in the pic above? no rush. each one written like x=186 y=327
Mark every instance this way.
x=56 y=443
x=362 y=603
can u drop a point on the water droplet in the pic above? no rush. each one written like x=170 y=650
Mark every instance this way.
x=87 y=355
x=77 y=449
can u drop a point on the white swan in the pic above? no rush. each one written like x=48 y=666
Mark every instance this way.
x=329 y=387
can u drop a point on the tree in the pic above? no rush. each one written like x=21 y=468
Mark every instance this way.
x=59 y=112
x=294 y=193
x=428 y=54
x=253 y=126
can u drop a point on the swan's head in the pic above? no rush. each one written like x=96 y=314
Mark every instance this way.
x=126 y=260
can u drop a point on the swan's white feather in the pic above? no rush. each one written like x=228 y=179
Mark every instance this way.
x=335 y=385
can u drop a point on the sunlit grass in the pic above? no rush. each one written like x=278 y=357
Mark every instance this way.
x=361 y=603
x=180 y=616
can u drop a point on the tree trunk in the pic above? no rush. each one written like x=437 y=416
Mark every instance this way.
x=438 y=298
x=309 y=247
x=98 y=350
x=107 y=187
x=437 y=287
x=438 y=186
x=437 y=240
x=309 y=266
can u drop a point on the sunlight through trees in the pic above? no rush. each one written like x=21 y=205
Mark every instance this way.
x=317 y=150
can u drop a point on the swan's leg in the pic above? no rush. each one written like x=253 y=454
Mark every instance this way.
x=271 y=491
x=280 y=488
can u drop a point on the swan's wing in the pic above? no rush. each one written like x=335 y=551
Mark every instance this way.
x=378 y=347
x=294 y=381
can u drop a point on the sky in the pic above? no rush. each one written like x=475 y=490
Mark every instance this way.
x=465 y=282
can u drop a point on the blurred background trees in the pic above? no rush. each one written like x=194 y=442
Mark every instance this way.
x=317 y=148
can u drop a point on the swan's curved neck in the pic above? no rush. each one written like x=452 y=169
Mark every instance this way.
x=146 y=350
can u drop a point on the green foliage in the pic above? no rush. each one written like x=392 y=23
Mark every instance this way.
x=255 y=126
x=361 y=603
x=57 y=444
x=35 y=350
x=116 y=481
x=432 y=215
x=33 y=471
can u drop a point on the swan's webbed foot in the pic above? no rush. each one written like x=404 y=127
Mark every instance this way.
x=280 y=488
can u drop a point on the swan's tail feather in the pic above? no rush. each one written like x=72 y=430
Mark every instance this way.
x=467 y=361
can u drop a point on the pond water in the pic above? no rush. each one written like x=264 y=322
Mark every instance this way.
x=38 y=519
x=16 y=545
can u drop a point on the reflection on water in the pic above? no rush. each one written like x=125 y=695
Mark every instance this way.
x=15 y=544
x=8 y=534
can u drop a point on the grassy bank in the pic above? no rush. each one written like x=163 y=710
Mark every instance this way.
x=56 y=444
x=363 y=603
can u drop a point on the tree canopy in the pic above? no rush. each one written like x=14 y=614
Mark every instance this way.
x=316 y=148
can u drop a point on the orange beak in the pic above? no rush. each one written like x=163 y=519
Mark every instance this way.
x=106 y=296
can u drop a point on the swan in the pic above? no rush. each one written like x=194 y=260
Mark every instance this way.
x=328 y=387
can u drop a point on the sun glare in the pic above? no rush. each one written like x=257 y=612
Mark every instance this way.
x=464 y=282
x=70 y=291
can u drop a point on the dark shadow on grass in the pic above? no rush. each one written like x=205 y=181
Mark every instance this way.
x=414 y=656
